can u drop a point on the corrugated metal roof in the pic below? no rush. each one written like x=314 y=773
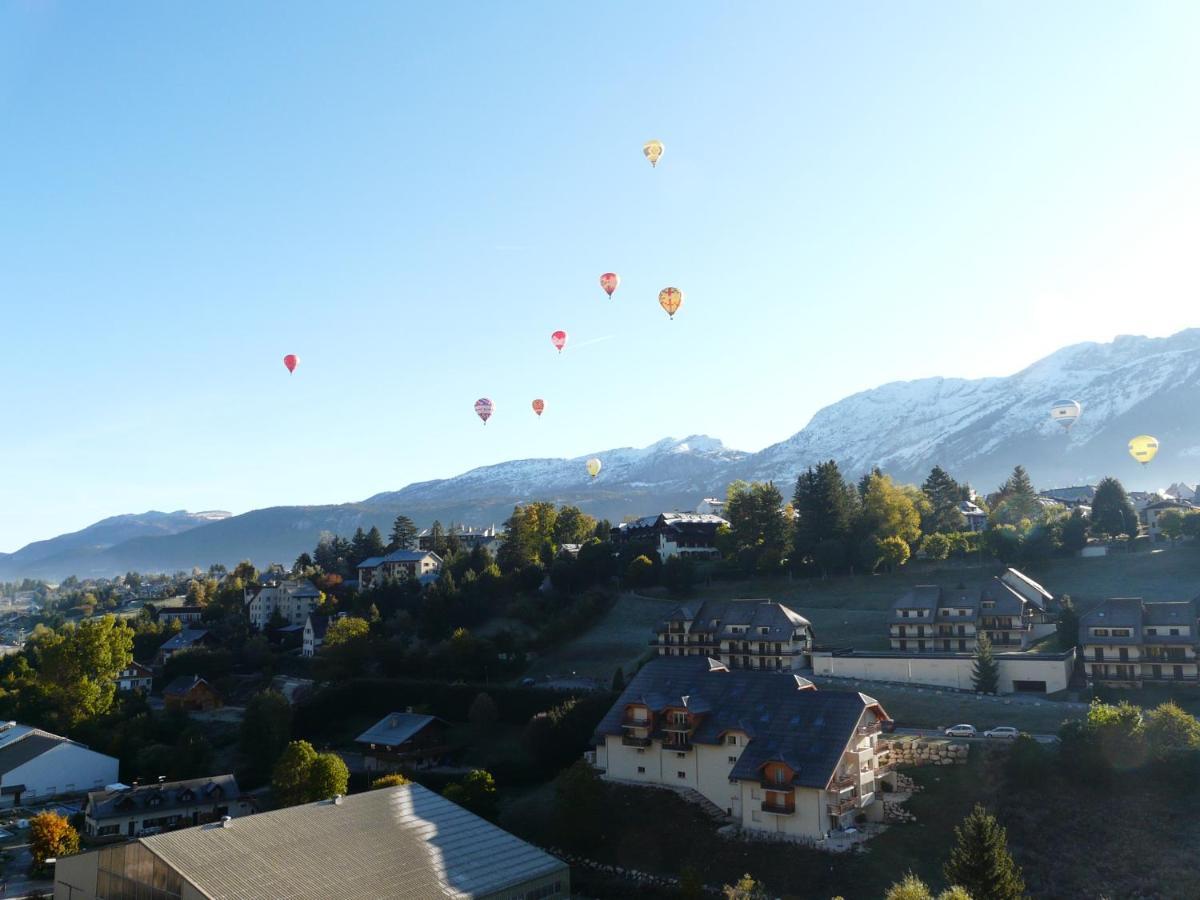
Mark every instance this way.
x=402 y=842
x=395 y=728
x=31 y=746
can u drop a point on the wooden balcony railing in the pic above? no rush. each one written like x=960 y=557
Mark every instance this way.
x=779 y=809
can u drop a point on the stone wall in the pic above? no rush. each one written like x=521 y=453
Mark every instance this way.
x=927 y=752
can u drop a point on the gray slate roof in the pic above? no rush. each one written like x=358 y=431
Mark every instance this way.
x=185 y=639
x=16 y=753
x=170 y=795
x=401 y=842
x=784 y=717
x=1136 y=614
x=781 y=621
x=181 y=685
x=395 y=728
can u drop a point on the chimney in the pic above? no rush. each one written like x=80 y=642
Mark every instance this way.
x=225 y=820
x=337 y=799
x=408 y=709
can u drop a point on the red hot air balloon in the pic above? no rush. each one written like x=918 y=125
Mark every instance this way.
x=539 y=406
x=291 y=361
x=559 y=340
x=610 y=281
x=483 y=408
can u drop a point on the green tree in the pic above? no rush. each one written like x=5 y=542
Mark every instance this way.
x=936 y=546
x=290 y=778
x=944 y=495
x=51 y=837
x=327 y=777
x=640 y=572
x=825 y=507
x=393 y=780
x=528 y=536
x=483 y=710
x=78 y=664
x=887 y=511
x=1112 y=512
x=404 y=534
x=437 y=538
x=1015 y=501
x=346 y=629
x=266 y=730
x=757 y=523
x=1118 y=731
x=746 y=888
x=618 y=680
x=986 y=672
x=679 y=574
x=1170 y=523
x=893 y=552
x=579 y=807
x=475 y=792
x=1067 y=629
x=1075 y=531
x=572 y=526
x=1191 y=525
x=980 y=862
x=910 y=887
x=1170 y=732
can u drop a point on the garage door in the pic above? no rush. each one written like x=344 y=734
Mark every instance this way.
x=1030 y=687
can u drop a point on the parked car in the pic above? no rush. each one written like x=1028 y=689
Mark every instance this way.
x=1006 y=732
x=961 y=731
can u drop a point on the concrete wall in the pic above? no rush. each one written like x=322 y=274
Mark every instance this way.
x=75 y=877
x=946 y=671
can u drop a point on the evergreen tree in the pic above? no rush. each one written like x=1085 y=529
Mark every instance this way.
x=374 y=542
x=1075 y=531
x=437 y=538
x=1068 y=624
x=618 y=680
x=944 y=495
x=980 y=862
x=756 y=522
x=1112 y=512
x=888 y=511
x=825 y=508
x=289 y=782
x=404 y=534
x=303 y=562
x=986 y=673
x=1016 y=500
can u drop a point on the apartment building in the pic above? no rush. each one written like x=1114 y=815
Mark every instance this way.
x=933 y=619
x=673 y=534
x=397 y=566
x=1129 y=642
x=742 y=634
x=294 y=600
x=148 y=809
x=775 y=754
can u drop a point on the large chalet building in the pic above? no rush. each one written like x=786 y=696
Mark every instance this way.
x=1129 y=642
x=399 y=565
x=772 y=753
x=742 y=634
x=673 y=534
x=294 y=600
x=931 y=619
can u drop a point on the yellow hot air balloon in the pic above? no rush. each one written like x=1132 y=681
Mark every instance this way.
x=653 y=150
x=593 y=467
x=670 y=299
x=1143 y=448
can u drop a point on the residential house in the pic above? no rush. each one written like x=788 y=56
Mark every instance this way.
x=743 y=634
x=975 y=519
x=135 y=678
x=36 y=765
x=775 y=754
x=1181 y=490
x=184 y=615
x=314 y=634
x=188 y=639
x=1129 y=641
x=931 y=619
x=1150 y=513
x=673 y=534
x=1072 y=497
x=468 y=538
x=403 y=740
x=294 y=601
x=711 y=506
x=404 y=842
x=190 y=692
x=121 y=810
x=398 y=565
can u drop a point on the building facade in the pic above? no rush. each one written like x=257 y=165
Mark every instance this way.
x=398 y=565
x=38 y=765
x=190 y=693
x=294 y=600
x=773 y=753
x=673 y=534
x=1033 y=673
x=1150 y=514
x=135 y=678
x=135 y=811
x=1130 y=642
x=315 y=627
x=188 y=639
x=742 y=634
x=403 y=740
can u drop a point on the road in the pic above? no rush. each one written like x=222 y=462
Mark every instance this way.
x=935 y=733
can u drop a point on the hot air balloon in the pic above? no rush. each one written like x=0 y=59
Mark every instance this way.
x=483 y=408
x=670 y=299
x=291 y=361
x=610 y=281
x=653 y=151
x=559 y=340
x=539 y=406
x=1143 y=448
x=593 y=467
x=1065 y=412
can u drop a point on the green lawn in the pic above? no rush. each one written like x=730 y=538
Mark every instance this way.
x=916 y=707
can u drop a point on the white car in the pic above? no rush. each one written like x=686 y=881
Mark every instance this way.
x=1006 y=732
x=961 y=731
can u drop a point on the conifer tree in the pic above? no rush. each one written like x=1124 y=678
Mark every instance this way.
x=987 y=671
x=1112 y=513
x=944 y=495
x=980 y=862
x=404 y=534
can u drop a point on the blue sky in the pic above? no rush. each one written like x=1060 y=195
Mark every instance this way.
x=412 y=198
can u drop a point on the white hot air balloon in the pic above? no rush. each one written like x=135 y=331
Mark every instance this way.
x=1065 y=412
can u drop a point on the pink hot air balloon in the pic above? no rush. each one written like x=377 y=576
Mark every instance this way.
x=610 y=281
x=483 y=408
x=291 y=361
x=539 y=406
x=559 y=340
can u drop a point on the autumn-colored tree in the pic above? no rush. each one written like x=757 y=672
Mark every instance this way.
x=51 y=837
x=345 y=630
x=393 y=780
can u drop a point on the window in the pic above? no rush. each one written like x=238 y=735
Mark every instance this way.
x=641 y=770
x=779 y=776
x=1175 y=632
x=945 y=612
x=1151 y=631
x=681 y=774
x=904 y=613
x=731 y=739
x=732 y=760
x=1100 y=632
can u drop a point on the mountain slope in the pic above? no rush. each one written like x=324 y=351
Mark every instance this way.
x=977 y=429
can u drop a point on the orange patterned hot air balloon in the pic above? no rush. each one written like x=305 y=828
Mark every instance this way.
x=559 y=340
x=483 y=408
x=539 y=406
x=610 y=281
x=291 y=361
x=670 y=299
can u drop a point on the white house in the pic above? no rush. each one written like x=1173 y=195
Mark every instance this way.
x=38 y=765
x=711 y=506
x=295 y=601
x=135 y=677
x=314 y=634
x=397 y=566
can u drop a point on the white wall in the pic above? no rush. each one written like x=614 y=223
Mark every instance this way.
x=67 y=768
x=955 y=672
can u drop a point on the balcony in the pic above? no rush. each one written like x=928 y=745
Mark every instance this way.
x=869 y=729
x=677 y=746
x=630 y=741
x=631 y=722
x=844 y=783
x=676 y=727
x=779 y=808
x=882 y=769
x=843 y=805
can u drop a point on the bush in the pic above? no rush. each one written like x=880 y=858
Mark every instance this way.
x=393 y=780
x=640 y=572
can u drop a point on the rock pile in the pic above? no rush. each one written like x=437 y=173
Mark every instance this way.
x=928 y=753
x=894 y=812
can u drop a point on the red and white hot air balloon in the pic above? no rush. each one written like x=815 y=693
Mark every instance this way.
x=539 y=406
x=559 y=340
x=610 y=281
x=483 y=408
x=291 y=361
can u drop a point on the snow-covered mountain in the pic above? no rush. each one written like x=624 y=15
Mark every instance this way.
x=976 y=429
